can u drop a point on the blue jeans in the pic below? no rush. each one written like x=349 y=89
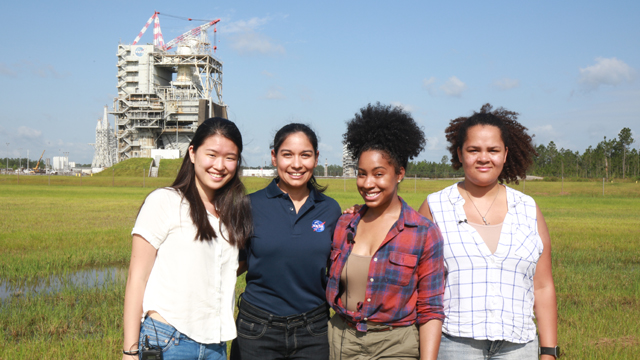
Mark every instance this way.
x=176 y=345
x=460 y=348
x=264 y=336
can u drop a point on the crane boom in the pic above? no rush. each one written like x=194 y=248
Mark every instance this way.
x=38 y=164
x=191 y=33
x=158 y=40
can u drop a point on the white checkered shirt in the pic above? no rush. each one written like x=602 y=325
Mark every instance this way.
x=488 y=296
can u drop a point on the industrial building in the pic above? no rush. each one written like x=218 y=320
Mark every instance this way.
x=105 y=145
x=348 y=163
x=163 y=96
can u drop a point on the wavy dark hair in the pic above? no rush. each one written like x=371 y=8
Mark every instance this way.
x=388 y=129
x=513 y=134
x=232 y=206
x=290 y=129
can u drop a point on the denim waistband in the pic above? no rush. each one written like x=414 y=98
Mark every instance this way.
x=264 y=317
x=154 y=326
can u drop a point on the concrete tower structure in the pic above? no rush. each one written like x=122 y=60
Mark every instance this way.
x=164 y=96
x=105 y=145
x=348 y=163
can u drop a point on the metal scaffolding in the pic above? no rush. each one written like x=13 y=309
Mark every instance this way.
x=162 y=96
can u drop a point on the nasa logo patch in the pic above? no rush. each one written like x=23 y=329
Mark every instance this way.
x=317 y=225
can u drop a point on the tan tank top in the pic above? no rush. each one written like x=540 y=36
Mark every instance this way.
x=490 y=234
x=354 y=280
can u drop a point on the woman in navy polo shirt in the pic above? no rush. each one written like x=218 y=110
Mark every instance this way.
x=283 y=311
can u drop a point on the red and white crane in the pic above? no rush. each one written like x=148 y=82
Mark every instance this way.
x=158 y=40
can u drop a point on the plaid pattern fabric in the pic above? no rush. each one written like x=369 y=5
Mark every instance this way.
x=406 y=274
x=488 y=296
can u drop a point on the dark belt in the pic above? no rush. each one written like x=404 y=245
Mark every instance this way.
x=371 y=327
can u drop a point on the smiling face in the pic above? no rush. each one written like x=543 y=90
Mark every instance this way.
x=215 y=163
x=295 y=161
x=377 y=179
x=483 y=155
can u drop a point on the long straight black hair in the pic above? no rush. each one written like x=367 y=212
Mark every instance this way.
x=232 y=206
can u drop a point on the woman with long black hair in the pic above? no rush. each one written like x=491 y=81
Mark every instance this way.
x=179 y=297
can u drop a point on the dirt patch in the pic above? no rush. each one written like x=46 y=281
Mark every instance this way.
x=625 y=341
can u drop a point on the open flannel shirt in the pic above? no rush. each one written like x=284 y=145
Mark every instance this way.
x=406 y=274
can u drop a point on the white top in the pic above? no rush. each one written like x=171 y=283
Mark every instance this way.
x=192 y=282
x=488 y=296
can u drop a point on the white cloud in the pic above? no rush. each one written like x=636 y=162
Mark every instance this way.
x=28 y=133
x=7 y=70
x=35 y=68
x=274 y=93
x=428 y=84
x=251 y=42
x=506 y=83
x=433 y=143
x=606 y=72
x=245 y=38
x=267 y=74
x=405 y=107
x=453 y=87
x=545 y=133
x=244 y=25
x=324 y=147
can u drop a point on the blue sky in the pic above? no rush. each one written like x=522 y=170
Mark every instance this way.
x=569 y=68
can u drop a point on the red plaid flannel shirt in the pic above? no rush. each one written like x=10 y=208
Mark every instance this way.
x=406 y=275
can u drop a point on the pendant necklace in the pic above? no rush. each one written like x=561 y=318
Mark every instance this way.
x=474 y=205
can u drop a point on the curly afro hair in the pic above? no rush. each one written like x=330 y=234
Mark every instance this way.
x=388 y=129
x=514 y=136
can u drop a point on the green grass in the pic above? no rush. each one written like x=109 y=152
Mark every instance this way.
x=169 y=167
x=129 y=167
x=54 y=229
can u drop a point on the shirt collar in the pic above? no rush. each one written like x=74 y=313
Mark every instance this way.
x=408 y=217
x=274 y=191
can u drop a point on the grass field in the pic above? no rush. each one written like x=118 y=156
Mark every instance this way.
x=70 y=226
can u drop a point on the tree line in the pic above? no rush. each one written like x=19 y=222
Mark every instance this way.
x=610 y=158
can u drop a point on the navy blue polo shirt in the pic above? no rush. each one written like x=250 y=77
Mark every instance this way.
x=287 y=255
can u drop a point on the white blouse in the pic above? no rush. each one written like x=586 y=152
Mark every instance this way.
x=192 y=282
x=488 y=296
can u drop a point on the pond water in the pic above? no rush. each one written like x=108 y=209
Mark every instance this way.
x=79 y=279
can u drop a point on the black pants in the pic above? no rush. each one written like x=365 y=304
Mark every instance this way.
x=264 y=336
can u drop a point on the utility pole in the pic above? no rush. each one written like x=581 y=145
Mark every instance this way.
x=7 y=170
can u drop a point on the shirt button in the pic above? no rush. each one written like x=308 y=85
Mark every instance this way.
x=375 y=259
x=368 y=300
x=291 y=209
x=366 y=319
x=371 y=279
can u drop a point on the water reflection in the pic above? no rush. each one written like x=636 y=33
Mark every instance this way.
x=86 y=278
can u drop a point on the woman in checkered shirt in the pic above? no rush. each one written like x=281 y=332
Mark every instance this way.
x=497 y=249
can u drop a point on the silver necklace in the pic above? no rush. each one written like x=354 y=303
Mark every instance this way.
x=474 y=204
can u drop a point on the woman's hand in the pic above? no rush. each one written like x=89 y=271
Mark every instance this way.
x=352 y=210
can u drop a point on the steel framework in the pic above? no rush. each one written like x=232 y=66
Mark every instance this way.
x=162 y=96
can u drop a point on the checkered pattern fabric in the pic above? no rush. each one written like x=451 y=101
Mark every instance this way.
x=488 y=296
x=406 y=274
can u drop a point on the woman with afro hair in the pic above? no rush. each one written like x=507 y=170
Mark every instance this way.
x=497 y=250
x=386 y=275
